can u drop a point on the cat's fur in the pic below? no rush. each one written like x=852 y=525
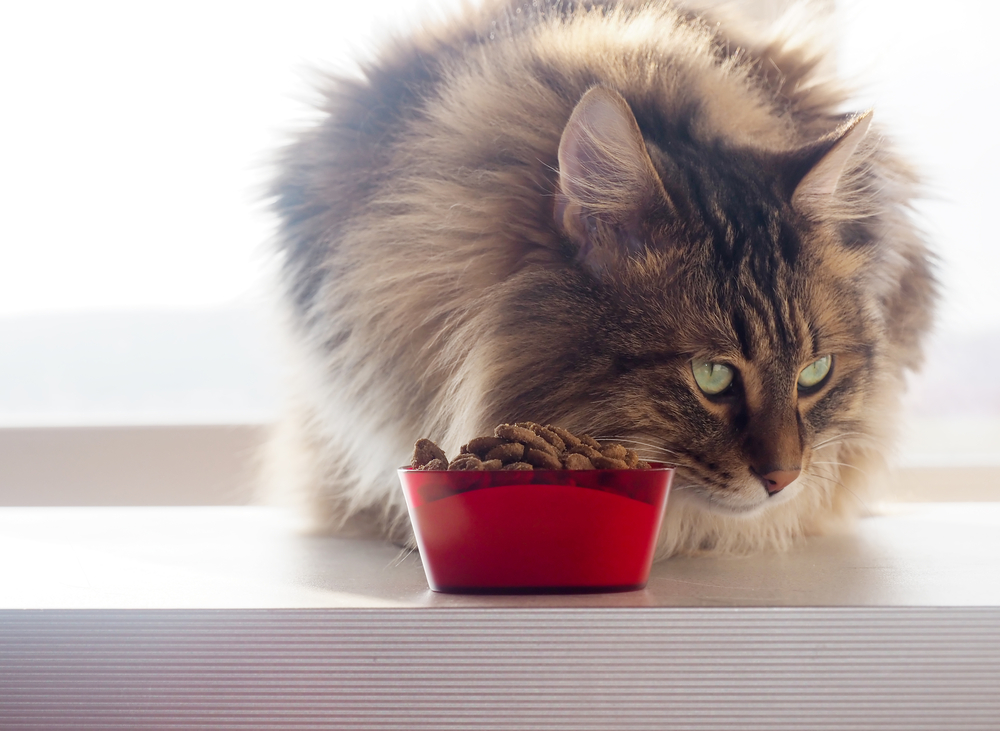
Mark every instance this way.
x=458 y=254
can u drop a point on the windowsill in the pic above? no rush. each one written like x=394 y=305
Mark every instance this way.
x=934 y=555
x=224 y=617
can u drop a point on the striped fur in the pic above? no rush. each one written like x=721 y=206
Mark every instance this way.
x=433 y=291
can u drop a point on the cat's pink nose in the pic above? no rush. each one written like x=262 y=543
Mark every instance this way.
x=778 y=480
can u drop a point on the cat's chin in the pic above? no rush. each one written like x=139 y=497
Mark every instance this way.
x=735 y=511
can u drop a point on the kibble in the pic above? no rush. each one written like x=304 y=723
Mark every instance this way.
x=517 y=466
x=424 y=452
x=527 y=446
x=480 y=446
x=614 y=451
x=435 y=464
x=607 y=463
x=466 y=462
x=586 y=450
x=570 y=440
x=523 y=435
x=507 y=452
x=574 y=461
x=542 y=460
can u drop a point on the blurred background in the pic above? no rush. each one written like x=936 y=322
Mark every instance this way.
x=134 y=147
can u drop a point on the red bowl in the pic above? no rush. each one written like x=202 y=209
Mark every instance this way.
x=536 y=531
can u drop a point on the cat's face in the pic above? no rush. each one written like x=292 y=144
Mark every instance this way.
x=729 y=333
x=742 y=386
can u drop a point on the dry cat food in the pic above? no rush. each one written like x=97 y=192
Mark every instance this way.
x=528 y=446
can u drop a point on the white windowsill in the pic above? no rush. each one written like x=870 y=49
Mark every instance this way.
x=935 y=555
x=223 y=617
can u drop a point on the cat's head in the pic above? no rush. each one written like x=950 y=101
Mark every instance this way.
x=726 y=309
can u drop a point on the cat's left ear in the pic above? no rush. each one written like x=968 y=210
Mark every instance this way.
x=607 y=182
x=817 y=170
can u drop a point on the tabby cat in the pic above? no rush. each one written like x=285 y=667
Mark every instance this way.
x=627 y=219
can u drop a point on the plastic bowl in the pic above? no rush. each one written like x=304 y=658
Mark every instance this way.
x=537 y=531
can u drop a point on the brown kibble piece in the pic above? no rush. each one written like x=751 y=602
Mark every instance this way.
x=466 y=462
x=550 y=436
x=542 y=460
x=606 y=463
x=517 y=466
x=492 y=464
x=586 y=450
x=569 y=439
x=574 y=461
x=507 y=452
x=424 y=451
x=481 y=445
x=435 y=464
x=641 y=465
x=614 y=451
x=589 y=441
x=528 y=438
x=631 y=458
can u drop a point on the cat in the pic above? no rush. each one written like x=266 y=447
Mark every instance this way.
x=627 y=219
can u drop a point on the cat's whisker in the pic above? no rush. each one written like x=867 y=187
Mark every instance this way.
x=837 y=438
x=662 y=459
x=647 y=456
x=633 y=440
x=659 y=458
x=849 y=442
x=842 y=435
x=849 y=491
x=403 y=554
x=851 y=437
x=646 y=451
x=844 y=464
x=650 y=450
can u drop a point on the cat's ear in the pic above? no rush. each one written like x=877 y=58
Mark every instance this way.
x=607 y=182
x=817 y=170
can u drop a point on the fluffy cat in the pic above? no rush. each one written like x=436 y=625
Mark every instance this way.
x=624 y=218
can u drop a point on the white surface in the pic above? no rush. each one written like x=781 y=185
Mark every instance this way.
x=223 y=618
x=203 y=558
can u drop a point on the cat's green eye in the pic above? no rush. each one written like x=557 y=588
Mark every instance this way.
x=814 y=373
x=712 y=378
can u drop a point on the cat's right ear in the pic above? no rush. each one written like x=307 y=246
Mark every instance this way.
x=607 y=182
x=816 y=171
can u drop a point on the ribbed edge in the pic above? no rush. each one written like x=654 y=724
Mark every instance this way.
x=837 y=669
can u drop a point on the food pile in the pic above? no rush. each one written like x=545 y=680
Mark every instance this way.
x=528 y=446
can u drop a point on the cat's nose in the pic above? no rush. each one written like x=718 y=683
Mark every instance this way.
x=778 y=480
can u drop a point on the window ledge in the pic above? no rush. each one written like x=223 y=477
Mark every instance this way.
x=224 y=617
x=930 y=555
